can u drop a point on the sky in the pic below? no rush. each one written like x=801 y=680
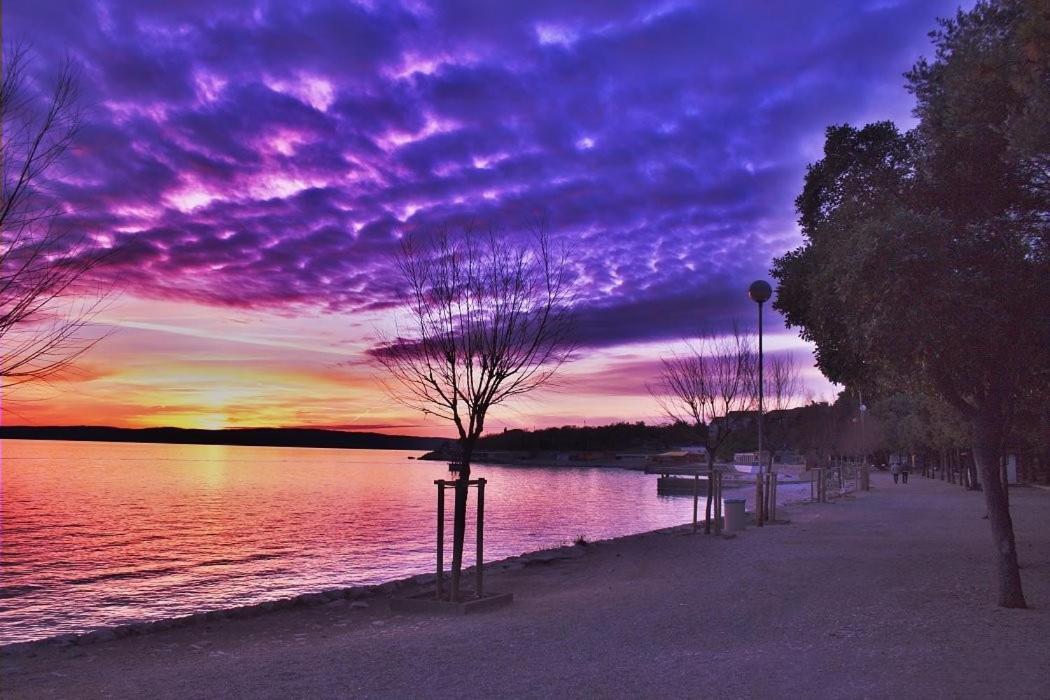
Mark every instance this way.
x=257 y=164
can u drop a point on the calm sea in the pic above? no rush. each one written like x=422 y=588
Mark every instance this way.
x=97 y=534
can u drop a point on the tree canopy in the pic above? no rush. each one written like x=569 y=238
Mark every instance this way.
x=925 y=258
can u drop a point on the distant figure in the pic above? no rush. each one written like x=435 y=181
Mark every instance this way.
x=897 y=469
x=905 y=468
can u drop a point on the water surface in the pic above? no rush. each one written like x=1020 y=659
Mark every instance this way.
x=98 y=534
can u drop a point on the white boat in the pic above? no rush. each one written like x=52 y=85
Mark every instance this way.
x=787 y=464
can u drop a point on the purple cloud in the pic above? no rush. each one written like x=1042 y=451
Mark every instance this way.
x=270 y=154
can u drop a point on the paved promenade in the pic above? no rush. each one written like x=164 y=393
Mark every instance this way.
x=888 y=594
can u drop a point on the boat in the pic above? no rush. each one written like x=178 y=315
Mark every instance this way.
x=789 y=465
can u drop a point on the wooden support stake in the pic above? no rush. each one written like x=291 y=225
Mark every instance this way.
x=770 y=495
x=712 y=495
x=440 y=537
x=773 y=499
x=719 y=525
x=766 y=510
x=696 y=498
x=721 y=504
x=718 y=502
x=481 y=533
x=758 y=499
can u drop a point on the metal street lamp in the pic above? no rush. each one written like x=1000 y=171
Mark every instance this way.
x=862 y=475
x=760 y=291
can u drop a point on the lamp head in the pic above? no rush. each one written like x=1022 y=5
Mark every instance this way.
x=760 y=291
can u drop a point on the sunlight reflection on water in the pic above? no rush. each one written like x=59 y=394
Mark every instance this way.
x=103 y=533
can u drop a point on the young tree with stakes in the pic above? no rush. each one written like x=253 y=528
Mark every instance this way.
x=703 y=385
x=490 y=321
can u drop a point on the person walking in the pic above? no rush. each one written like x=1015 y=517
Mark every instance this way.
x=896 y=470
x=905 y=469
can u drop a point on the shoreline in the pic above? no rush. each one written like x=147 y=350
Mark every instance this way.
x=887 y=593
x=411 y=584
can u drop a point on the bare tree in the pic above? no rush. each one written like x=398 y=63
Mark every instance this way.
x=713 y=378
x=783 y=385
x=43 y=307
x=490 y=322
x=783 y=381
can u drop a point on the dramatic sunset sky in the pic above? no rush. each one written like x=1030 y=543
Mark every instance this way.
x=258 y=161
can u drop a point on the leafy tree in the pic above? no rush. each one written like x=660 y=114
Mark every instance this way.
x=925 y=261
x=900 y=422
x=912 y=420
x=863 y=172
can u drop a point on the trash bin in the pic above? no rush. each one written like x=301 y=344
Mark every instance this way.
x=736 y=518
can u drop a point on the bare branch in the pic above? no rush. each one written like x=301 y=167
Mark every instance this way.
x=783 y=382
x=45 y=302
x=714 y=377
x=490 y=321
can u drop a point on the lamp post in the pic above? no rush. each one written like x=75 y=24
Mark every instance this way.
x=760 y=291
x=862 y=475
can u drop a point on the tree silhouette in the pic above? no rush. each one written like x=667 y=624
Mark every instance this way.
x=44 y=301
x=490 y=321
x=714 y=377
x=926 y=253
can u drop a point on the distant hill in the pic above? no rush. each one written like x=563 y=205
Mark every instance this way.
x=255 y=437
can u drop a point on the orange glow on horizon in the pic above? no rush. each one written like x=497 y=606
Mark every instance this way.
x=168 y=364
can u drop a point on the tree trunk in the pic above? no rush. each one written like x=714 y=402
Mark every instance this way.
x=459 y=520
x=987 y=451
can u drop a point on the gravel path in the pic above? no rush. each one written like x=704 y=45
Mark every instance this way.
x=885 y=595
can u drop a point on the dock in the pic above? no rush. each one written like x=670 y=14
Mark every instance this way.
x=685 y=479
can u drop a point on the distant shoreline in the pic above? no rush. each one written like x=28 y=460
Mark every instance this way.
x=234 y=437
